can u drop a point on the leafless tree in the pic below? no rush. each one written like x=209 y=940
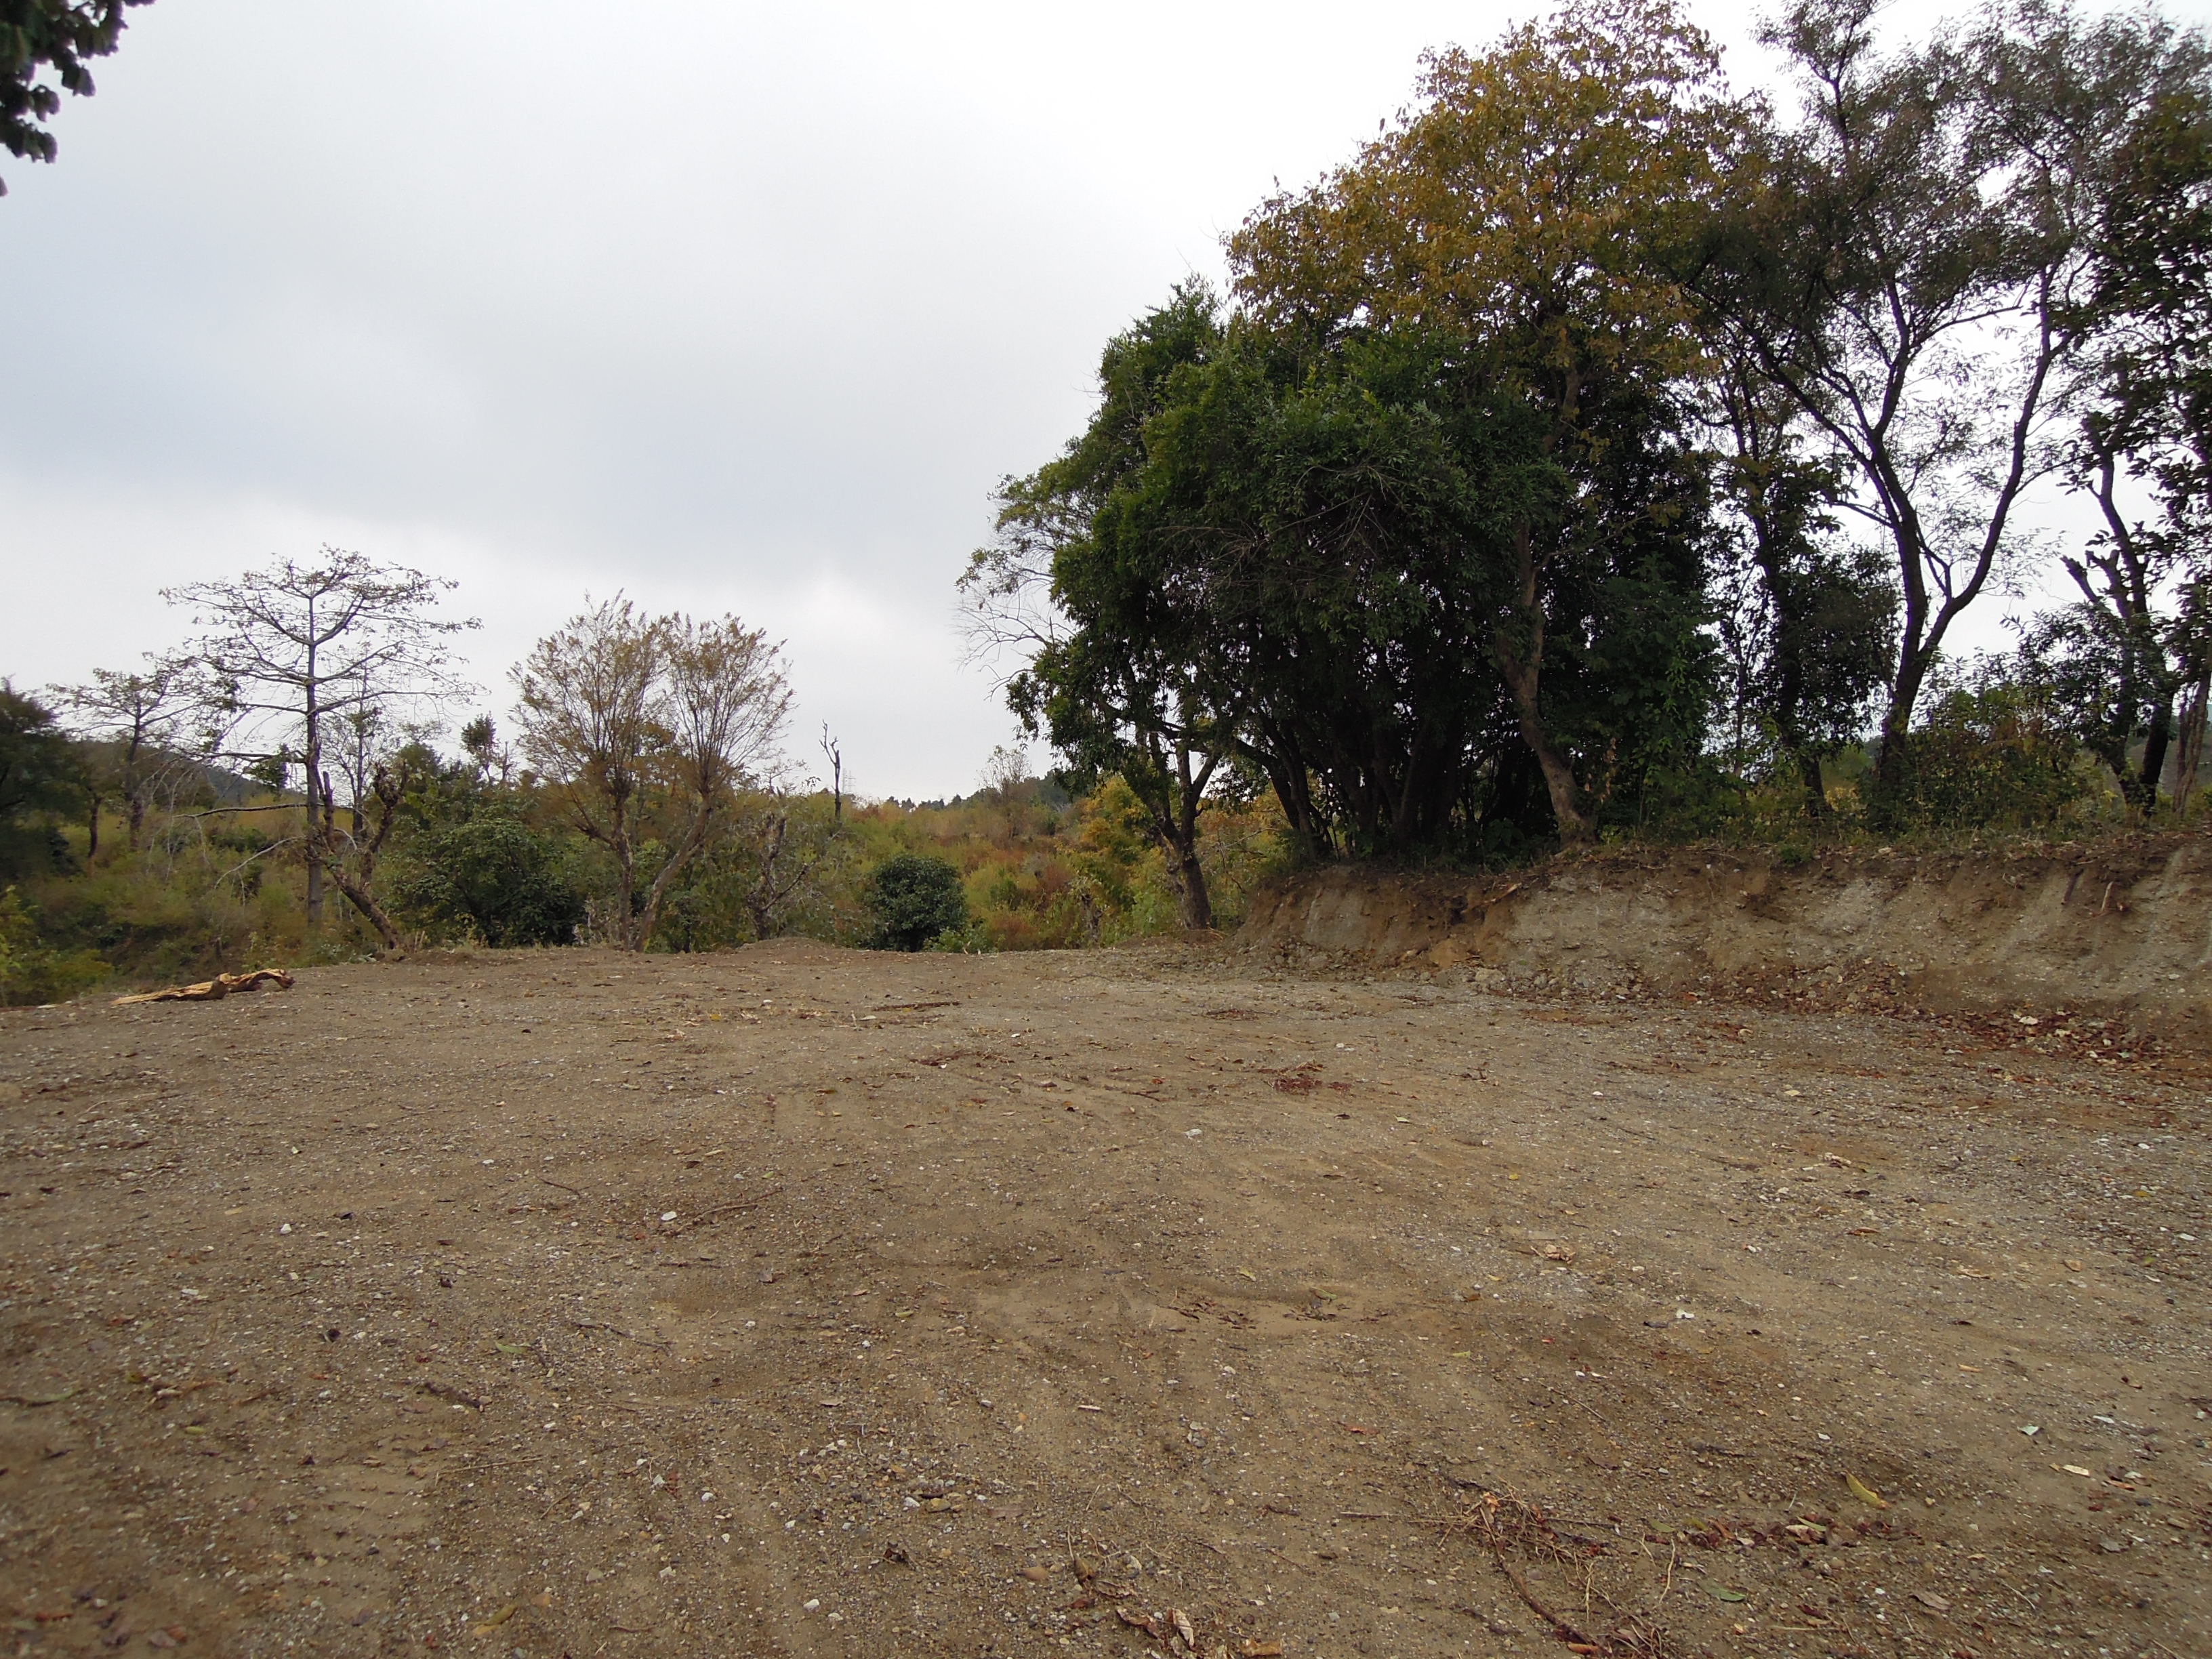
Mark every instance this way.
x=294 y=646
x=143 y=719
x=641 y=722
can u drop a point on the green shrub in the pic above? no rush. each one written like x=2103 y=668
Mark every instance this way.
x=31 y=970
x=1993 y=756
x=496 y=879
x=914 y=897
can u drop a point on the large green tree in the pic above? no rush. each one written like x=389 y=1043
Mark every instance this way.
x=1304 y=549
x=1115 y=692
x=1530 y=204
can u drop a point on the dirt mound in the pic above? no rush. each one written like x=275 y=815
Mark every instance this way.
x=2118 y=931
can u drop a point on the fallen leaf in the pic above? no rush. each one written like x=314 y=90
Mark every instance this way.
x=1933 y=1602
x=1724 y=1593
x=2075 y=1468
x=1865 y=1493
x=1261 y=1651
x=1557 y=1252
x=498 y=1618
x=1038 y=1574
x=1183 y=1627
x=2072 y=1265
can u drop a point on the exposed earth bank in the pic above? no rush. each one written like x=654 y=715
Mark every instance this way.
x=2119 y=930
x=806 y=1301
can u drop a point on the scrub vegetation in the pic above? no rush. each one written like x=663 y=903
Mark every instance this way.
x=1601 y=452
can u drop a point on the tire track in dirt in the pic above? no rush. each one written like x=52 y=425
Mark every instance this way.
x=552 y=1302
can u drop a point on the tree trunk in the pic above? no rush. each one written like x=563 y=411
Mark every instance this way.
x=1558 y=776
x=1816 y=788
x=91 y=833
x=625 y=899
x=137 y=822
x=312 y=845
x=1892 y=771
x=1194 y=904
x=2156 y=742
x=2194 y=710
x=364 y=901
x=1523 y=671
x=353 y=870
x=693 y=844
x=763 y=900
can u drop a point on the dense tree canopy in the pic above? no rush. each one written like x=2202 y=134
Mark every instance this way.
x=1587 y=376
x=1528 y=210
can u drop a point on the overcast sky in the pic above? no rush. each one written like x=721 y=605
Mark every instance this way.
x=731 y=307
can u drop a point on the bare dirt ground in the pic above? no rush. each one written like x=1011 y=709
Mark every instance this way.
x=799 y=1301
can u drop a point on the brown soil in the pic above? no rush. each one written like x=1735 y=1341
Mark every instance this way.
x=2118 y=929
x=805 y=1301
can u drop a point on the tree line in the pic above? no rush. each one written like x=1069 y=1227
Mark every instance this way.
x=285 y=783
x=304 y=712
x=1602 y=442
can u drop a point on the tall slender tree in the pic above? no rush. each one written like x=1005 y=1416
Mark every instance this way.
x=143 y=721
x=1908 y=272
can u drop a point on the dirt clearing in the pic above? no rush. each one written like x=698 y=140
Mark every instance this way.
x=806 y=1301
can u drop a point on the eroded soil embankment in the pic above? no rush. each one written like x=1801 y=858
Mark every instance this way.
x=2118 y=931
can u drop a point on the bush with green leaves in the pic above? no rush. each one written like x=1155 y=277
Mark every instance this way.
x=496 y=878
x=1994 y=753
x=31 y=969
x=915 y=899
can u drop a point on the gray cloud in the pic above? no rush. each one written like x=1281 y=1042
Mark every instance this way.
x=730 y=305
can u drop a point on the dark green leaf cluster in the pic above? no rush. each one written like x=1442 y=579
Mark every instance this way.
x=38 y=35
x=40 y=772
x=495 y=877
x=1308 y=548
x=916 y=899
x=1993 y=752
